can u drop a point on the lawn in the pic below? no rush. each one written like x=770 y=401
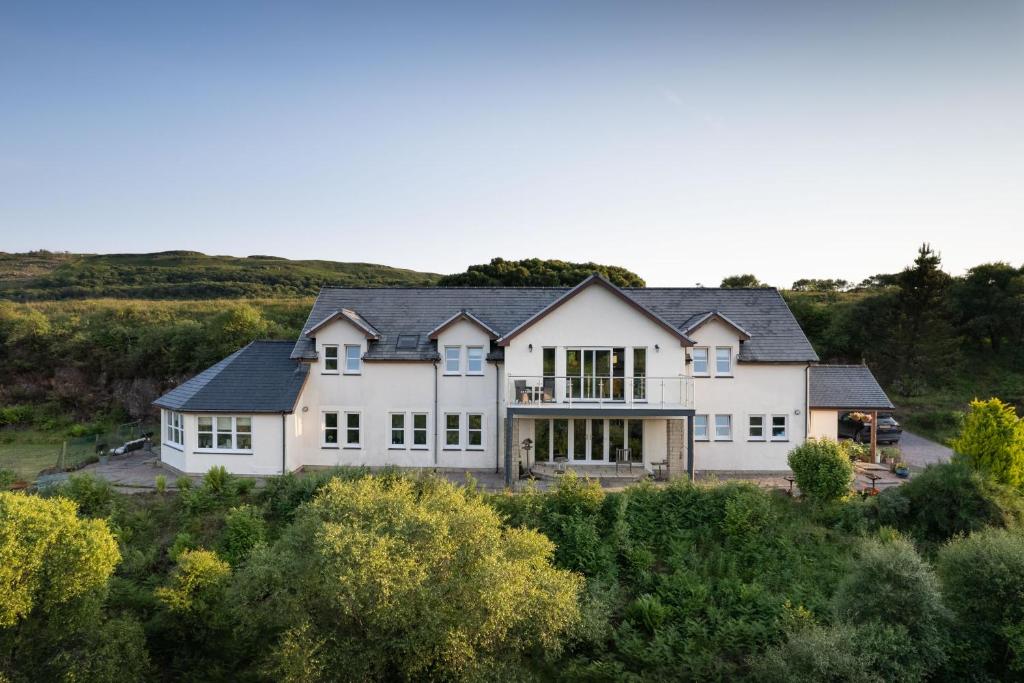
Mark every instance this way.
x=27 y=459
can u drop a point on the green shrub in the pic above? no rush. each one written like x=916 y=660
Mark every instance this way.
x=982 y=579
x=244 y=529
x=945 y=500
x=161 y=483
x=823 y=472
x=217 y=480
x=992 y=441
x=95 y=496
x=889 y=584
x=7 y=478
x=183 y=483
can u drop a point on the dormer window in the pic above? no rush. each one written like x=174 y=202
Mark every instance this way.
x=452 y=360
x=353 y=360
x=331 y=359
x=723 y=361
x=407 y=342
x=475 y=360
x=700 y=361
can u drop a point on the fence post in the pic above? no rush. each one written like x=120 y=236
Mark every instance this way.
x=63 y=455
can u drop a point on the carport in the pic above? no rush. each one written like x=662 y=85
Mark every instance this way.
x=833 y=389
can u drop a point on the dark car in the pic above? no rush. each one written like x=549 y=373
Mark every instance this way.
x=889 y=430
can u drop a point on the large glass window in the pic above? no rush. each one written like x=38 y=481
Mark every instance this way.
x=397 y=430
x=353 y=429
x=452 y=430
x=549 y=374
x=700 y=361
x=595 y=374
x=452 y=360
x=597 y=440
x=616 y=436
x=353 y=361
x=419 y=430
x=475 y=360
x=474 y=430
x=639 y=374
x=700 y=427
x=331 y=359
x=579 y=439
x=541 y=440
x=780 y=428
x=224 y=432
x=723 y=360
x=560 y=439
x=636 y=440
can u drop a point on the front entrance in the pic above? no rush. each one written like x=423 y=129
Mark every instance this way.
x=588 y=440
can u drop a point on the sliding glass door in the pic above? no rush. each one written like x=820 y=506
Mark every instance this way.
x=587 y=440
x=595 y=374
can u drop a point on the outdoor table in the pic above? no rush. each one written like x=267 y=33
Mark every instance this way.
x=873 y=477
x=659 y=465
x=790 y=478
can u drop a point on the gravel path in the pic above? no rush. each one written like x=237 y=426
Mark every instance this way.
x=919 y=451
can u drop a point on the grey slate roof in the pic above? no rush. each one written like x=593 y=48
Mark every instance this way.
x=775 y=334
x=259 y=378
x=846 y=386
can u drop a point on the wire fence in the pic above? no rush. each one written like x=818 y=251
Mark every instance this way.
x=76 y=452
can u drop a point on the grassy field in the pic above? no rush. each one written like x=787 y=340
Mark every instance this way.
x=26 y=460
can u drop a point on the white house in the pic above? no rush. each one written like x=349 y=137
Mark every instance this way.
x=671 y=379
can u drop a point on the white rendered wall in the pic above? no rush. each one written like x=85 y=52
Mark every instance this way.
x=265 y=458
x=824 y=424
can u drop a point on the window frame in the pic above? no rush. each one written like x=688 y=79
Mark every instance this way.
x=457 y=358
x=707 y=361
x=707 y=433
x=719 y=373
x=458 y=446
x=175 y=426
x=392 y=430
x=763 y=427
x=327 y=370
x=425 y=429
x=728 y=418
x=358 y=359
x=785 y=427
x=214 y=432
x=469 y=360
x=470 y=431
x=346 y=429
x=324 y=443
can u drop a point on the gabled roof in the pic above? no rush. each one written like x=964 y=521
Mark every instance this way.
x=347 y=314
x=699 y=320
x=594 y=280
x=776 y=336
x=846 y=386
x=462 y=315
x=259 y=378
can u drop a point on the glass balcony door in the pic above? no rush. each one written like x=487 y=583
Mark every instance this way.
x=595 y=374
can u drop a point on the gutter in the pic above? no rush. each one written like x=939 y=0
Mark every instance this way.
x=435 y=413
x=807 y=401
x=284 y=445
x=497 y=417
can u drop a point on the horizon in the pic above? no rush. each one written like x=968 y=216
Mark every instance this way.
x=682 y=141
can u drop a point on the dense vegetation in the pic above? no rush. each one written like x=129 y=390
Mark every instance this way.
x=350 y=576
x=185 y=275
x=537 y=273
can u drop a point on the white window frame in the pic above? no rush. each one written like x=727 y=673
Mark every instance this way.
x=751 y=426
x=469 y=431
x=458 y=431
x=327 y=359
x=707 y=361
x=345 y=429
x=392 y=430
x=728 y=424
x=358 y=359
x=785 y=427
x=449 y=357
x=425 y=429
x=215 y=431
x=324 y=443
x=174 y=434
x=696 y=434
x=469 y=360
x=719 y=373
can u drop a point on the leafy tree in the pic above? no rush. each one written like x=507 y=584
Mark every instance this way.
x=823 y=472
x=992 y=441
x=982 y=576
x=244 y=529
x=390 y=579
x=989 y=304
x=537 y=273
x=746 y=281
x=820 y=285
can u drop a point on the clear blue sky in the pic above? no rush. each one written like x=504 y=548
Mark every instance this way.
x=685 y=141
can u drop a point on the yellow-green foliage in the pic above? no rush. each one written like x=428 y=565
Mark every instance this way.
x=48 y=555
x=417 y=578
x=198 y=574
x=822 y=470
x=992 y=441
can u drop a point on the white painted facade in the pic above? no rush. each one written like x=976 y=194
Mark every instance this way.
x=593 y=318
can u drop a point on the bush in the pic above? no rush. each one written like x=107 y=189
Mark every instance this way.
x=161 y=483
x=196 y=582
x=244 y=529
x=95 y=496
x=946 y=500
x=982 y=576
x=992 y=441
x=823 y=472
x=217 y=480
x=842 y=652
x=7 y=478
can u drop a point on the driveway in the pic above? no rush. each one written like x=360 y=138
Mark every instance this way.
x=919 y=451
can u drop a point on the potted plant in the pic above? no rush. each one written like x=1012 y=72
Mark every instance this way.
x=902 y=470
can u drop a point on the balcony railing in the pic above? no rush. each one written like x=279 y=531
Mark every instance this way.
x=588 y=392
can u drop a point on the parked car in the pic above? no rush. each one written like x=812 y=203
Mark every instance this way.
x=889 y=430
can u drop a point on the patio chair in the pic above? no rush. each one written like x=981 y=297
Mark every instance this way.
x=522 y=395
x=623 y=456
